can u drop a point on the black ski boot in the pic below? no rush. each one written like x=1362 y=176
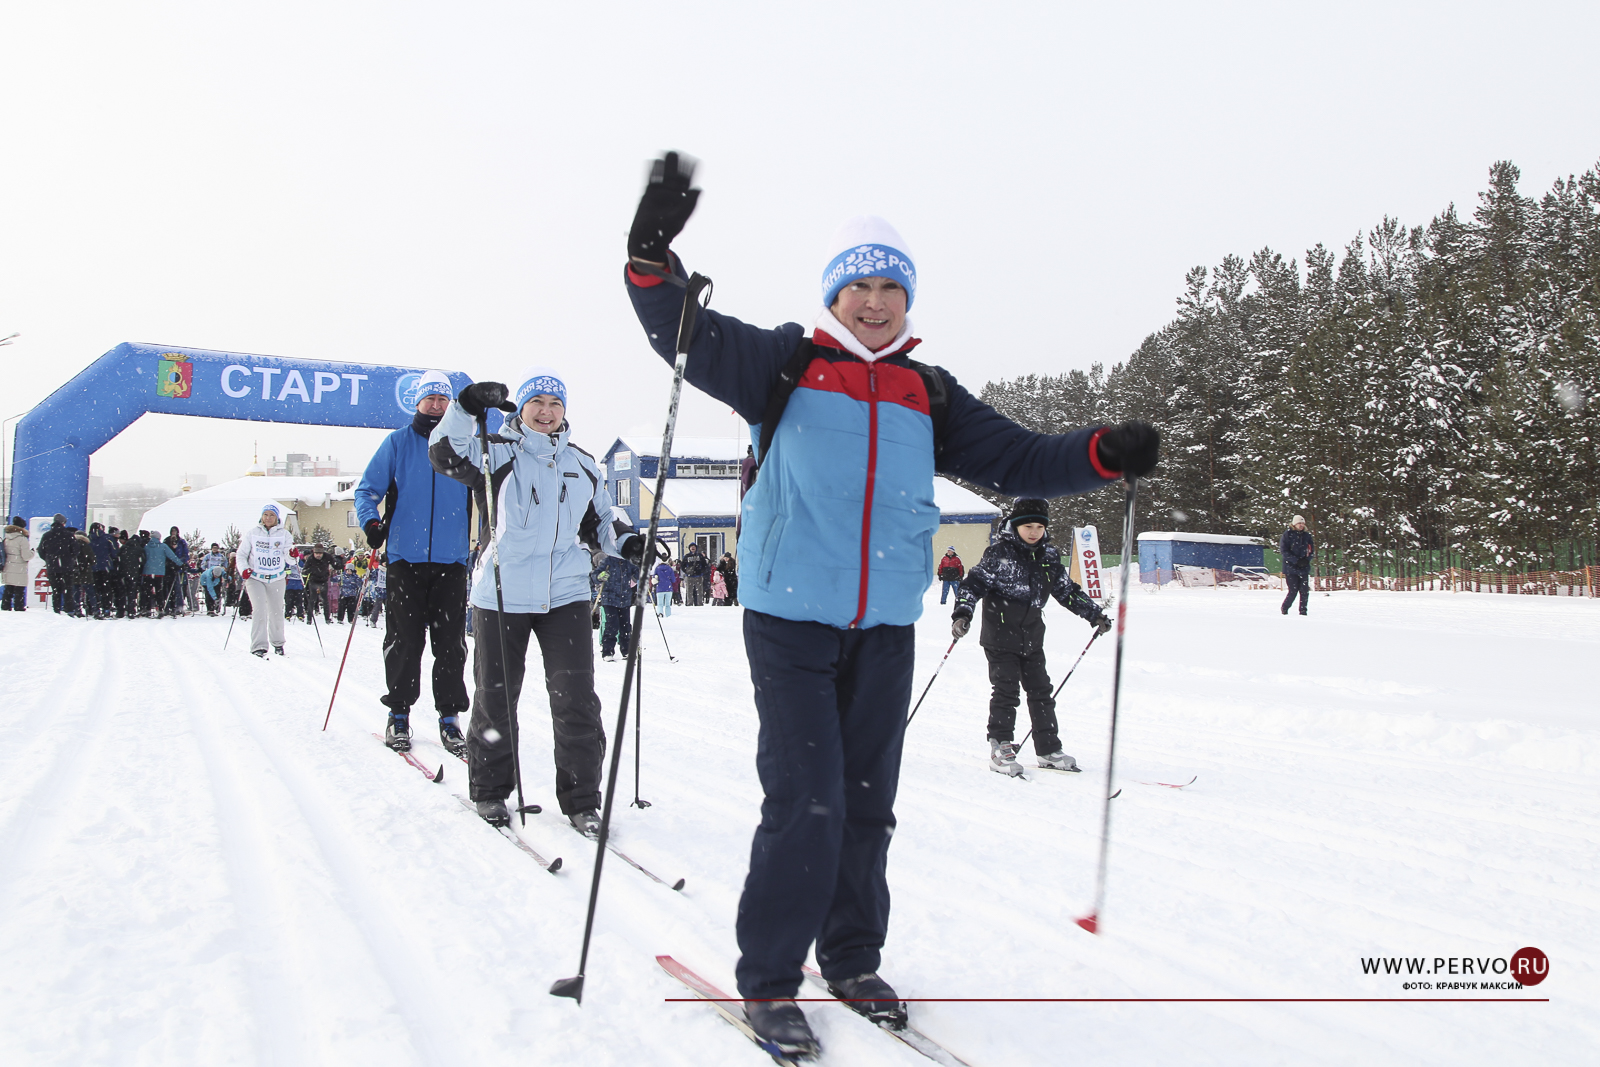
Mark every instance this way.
x=871 y=996
x=783 y=1025
x=493 y=812
x=586 y=823
x=260 y=653
x=450 y=737
x=398 y=734
x=278 y=649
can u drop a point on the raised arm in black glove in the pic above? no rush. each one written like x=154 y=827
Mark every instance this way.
x=375 y=533
x=1131 y=448
x=479 y=397
x=666 y=205
x=960 y=622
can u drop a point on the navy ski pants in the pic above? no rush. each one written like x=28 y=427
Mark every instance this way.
x=832 y=705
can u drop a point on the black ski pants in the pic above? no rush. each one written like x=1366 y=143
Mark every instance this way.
x=832 y=705
x=1010 y=673
x=566 y=644
x=1299 y=583
x=428 y=603
x=618 y=629
x=316 y=599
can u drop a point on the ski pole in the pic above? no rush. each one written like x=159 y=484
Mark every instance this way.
x=638 y=729
x=698 y=283
x=318 y=631
x=936 y=671
x=231 y=621
x=1092 y=639
x=350 y=637
x=1091 y=921
x=660 y=625
x=500 y=611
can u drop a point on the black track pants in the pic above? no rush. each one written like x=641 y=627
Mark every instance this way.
x=427 y=601
x=567 y=645
x=1299 y=586
x=1010 y=672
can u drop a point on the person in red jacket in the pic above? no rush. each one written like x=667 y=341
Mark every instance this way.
x=950 y=573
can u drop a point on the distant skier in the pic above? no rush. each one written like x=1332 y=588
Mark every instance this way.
x=317 y=569
x=619 y=582
x=836 y=530
x=263 y=560
x=18 y=553
x=950 y=572
x=1296 y=546
x=551 y=502
x=349 y=593
x=1016 y=578
x=57 y=548
x=666 y=585
x=424 y=533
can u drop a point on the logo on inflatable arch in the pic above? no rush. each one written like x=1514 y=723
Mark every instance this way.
x=405 y=391
x=174 y=376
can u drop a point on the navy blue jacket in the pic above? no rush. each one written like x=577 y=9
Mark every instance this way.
x=839 y=527
x=617 y=589
x=1296 y=547
x=430 y=521
x=104 y=550
x=1015 y=580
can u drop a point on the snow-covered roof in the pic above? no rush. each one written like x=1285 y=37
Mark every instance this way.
x=1200 y=538
x=954 y=500
x=238 y=503
x=702 y=496
x=720 y=449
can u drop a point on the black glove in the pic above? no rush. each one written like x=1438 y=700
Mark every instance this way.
x=375 y=533
x=665 y=206
x=479 y=397
x=632 y=549
x=1102 y=625
x=960 y=622
x=1131 y=448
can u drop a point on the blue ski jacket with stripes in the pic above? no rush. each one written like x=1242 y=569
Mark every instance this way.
x=839 y=527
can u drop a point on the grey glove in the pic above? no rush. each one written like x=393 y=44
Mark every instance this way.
x=1102 y=625
x=960 y=622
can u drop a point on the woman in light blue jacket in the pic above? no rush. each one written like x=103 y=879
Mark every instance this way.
x=550 y=501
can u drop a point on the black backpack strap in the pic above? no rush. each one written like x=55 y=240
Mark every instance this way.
x=782 y=389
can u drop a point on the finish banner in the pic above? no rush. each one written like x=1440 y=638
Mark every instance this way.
x=1086 y=561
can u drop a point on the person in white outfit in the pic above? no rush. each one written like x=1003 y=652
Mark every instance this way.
x=264 y=565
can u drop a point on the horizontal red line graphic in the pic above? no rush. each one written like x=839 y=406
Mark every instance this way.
x=1141 y=1000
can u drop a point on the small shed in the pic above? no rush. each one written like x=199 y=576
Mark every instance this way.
x=1161 y=552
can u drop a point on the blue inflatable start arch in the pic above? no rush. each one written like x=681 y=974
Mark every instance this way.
x=50 y=472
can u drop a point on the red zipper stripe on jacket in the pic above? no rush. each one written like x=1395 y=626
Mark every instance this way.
x=866 y=507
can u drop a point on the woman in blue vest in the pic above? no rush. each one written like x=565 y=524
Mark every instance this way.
x=836 y=549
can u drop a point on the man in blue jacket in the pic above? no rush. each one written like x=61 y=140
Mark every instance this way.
x=836 y=549
x=425 y=527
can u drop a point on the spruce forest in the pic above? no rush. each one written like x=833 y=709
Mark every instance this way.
x=1426 y=397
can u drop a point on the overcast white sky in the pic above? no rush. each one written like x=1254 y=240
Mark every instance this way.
x=451 y=184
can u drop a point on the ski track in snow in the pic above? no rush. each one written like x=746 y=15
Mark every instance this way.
x=195 y=873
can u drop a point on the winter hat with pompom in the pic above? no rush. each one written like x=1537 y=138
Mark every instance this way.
x=867 y=247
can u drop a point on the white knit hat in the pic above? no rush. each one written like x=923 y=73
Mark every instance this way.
x=434 y=383
x=867 y=247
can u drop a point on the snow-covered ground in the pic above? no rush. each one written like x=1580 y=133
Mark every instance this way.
x=192 y=873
